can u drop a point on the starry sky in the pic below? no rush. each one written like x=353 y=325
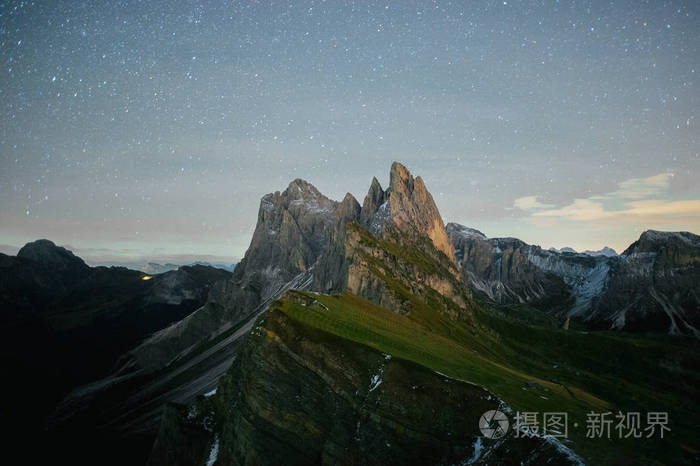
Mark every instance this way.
x=132 y=129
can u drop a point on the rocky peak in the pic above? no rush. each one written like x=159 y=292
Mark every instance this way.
x=53 y=257
x=400 y=179
x=654 y=240
x=374 y=200
x=460 y=231
x=413 y=210
x=293 y=228
x=406 y=206
x=349 y=209
x=302 y=189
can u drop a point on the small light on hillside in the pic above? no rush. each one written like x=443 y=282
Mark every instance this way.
x=146 y=277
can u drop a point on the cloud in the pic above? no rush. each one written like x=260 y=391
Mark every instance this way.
x=641 y=188
x=530 y=203
x=582 y=210
x=635 y=201
x=664 y=208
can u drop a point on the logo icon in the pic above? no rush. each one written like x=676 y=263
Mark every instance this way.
x=493 y=424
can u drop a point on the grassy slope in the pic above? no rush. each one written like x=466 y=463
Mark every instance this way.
x=595 y=371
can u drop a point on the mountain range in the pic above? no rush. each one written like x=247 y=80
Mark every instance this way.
x=652 y=286
x=157 y=267
x=374 y=333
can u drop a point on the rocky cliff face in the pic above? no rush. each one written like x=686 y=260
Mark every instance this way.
x=300 y=396
x=401 y=276
x=407 y=207
x=331 y=273
x=652 y=286
x=394 y=250
x=503 y=269
x=655 y=285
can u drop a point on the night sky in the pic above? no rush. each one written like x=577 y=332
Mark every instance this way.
x=152 y=128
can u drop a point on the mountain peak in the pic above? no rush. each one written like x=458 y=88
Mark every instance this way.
x=652 y=240
x=656 y=235
x=349 y=209
x=375 y=198
x=466 y=232
x=51 y=256
x=400 y=179
x=408 y=206
x=300 y=188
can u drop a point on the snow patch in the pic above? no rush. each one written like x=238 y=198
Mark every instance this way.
x=375 y=382
x=478 y=448
x=380 y=217
x=586 y=282
x=266 y=203
x=214 y=452
x=564 y=449
x=466 y=232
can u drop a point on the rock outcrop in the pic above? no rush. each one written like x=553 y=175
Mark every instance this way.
x=506 y=271
x=331 y=273
x=59 y=260
x=406 y=206
x=401 y=275
x=394 y=250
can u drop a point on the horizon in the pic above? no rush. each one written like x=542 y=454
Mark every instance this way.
x=139 y=131
x=98 y=257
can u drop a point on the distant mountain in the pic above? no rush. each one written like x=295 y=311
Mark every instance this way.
x=606 y=251
x=216 y=265
x=564 y=249
x=653 y=286
x=154 y=268
x=510 y=271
